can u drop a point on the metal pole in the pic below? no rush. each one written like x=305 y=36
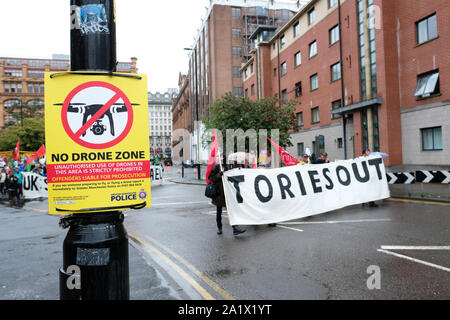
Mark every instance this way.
x=95 y=250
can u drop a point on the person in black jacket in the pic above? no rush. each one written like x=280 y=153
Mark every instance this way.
x=215 y=177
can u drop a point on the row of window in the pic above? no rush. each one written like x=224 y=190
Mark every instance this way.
x=16 y=87
x=315 y=116
x=169 y=127
x=160 y=114
x=18 y=73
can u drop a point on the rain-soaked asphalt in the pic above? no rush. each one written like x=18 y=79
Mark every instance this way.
x=321 y=257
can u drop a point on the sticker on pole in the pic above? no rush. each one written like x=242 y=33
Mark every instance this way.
x=97 y=115
x=97 y=139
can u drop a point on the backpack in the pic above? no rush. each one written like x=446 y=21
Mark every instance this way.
x=211 y=190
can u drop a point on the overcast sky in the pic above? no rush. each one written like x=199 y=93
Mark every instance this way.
x=154 y=31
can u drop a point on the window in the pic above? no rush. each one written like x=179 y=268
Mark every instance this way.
x=251 y=68
x=339 y=143
x=427 y=84
x=13 y=73
x=282 y=41
x=296 y=29
x=300 y=149
x=336 y=71
x=284 y=95
x=253 y=89
x=237 y=72
x=334 y=34
x=7 y=88
x=41 y=88
x=312 y=49
x=300 y=119
x=298 y=89
x=246 y=93
x=427 y=29
x=298 y=59
x=236 y=13
x=19 y=87
x=283 y=68
x=331 y=3
x=236 y=33
x=35 y=74
x=431 y=139
x=237 y=51
x=238 y=91
x=274 y=72
x=335 y=105
x=311 y=16
x=315 y=115
x=314 y=79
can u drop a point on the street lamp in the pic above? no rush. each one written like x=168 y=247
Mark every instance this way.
x=196 y=98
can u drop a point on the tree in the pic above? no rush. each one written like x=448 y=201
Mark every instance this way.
x=31 y=135
x=231 y=112
x=19 y=110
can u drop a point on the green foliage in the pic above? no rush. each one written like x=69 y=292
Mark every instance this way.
x=31 y=135
x=231 y=112
x=21 y=110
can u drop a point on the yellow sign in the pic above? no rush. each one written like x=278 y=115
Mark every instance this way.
x=96 y=133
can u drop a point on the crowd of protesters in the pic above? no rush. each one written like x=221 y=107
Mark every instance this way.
x=11 y=176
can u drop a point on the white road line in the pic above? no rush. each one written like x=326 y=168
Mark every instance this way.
x=415 y=247
x=415 y=260
x=293 y=229
x=177 y=203
x=334 y=222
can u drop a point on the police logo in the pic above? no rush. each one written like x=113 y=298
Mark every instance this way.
x=143 y=194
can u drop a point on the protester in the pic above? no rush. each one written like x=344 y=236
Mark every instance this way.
x=12 y=186
x=304 y=159
x=215 y=177
x=19 y=177
x=323 y=158
x=3 y=177
x=366 y=153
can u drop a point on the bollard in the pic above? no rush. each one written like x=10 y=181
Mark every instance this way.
x=97 y=245
x=93 y=35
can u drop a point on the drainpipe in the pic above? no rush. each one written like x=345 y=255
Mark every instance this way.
x=344 y=131
x=368 y=75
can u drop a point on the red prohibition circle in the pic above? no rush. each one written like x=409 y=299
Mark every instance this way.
x=119 y=93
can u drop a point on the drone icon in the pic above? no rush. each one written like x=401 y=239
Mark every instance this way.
x=88 y=111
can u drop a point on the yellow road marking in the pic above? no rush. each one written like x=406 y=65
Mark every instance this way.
x=420 y=201
x=180 y=271
x=198 y=273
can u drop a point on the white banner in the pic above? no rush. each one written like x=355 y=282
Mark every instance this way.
x=156 y=174
x=34 y=186
x=264 y=196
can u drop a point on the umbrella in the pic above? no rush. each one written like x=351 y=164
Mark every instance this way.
x=382 y=154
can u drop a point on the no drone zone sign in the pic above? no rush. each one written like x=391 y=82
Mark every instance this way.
x=96 y=130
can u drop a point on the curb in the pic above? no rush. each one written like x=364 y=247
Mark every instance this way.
x=437 y=201
x=188 y=183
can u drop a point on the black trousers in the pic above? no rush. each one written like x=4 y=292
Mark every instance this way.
x=219 y=217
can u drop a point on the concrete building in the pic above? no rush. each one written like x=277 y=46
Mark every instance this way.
x=365 y=73
x=160 y=120
x=220 y=48
x=22 y=81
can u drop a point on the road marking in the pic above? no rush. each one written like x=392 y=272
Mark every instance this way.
x=35 y=209
x=334 y=222
x=210 y=282
x=415 y=247
x=177 y=203
x=420 y=201
x=205 y=294
x=293 y=229
x=415 y=260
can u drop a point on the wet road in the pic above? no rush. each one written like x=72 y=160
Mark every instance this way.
x=321 y=257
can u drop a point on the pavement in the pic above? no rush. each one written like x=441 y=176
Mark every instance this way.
x=31 y=255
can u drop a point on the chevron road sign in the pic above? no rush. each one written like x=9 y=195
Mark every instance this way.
x=400 y=177
x=425 y=176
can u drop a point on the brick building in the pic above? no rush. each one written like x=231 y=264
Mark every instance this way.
x=221 y=46
x=183 y=119
x=319 y=59
x=22 y=80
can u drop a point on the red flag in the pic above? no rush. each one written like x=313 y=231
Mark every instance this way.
x=41 y=151
x=213 y=156
x=16 y=151
x=254 y=165
x=29 y=161
x=285 y=156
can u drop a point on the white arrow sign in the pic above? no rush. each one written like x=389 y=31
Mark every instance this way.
x=392 y=177
x=447 y=175
x=410 y=177
x=429 y=176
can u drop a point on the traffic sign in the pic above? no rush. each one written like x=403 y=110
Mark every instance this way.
x=400 y=177
x=425 y=176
